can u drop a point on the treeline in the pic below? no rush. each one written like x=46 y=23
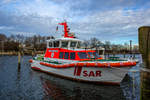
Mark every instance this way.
x=11 y=43
x=110 y=47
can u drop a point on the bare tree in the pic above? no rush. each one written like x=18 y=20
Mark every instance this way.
x=3 y=37
x=107 y=45
x=94 y=42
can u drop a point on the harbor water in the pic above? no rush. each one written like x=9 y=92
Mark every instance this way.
x=23 y=83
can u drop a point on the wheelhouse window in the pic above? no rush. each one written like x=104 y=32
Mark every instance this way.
x=101 y=52
x=79 y=44
x=72 y=55
x=91 y=54
x=50 y=44
x=83 y=55
x=96 y=55
x=66 y=56
x=61 y=55
x=73 y=44
x=56 y=43
x=64 y=44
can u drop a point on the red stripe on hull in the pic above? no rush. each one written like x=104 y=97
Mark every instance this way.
x=36 y=68
x=86 y=64
x=79 y=71
x=75 y=70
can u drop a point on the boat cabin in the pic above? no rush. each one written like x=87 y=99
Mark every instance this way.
x=68 y=48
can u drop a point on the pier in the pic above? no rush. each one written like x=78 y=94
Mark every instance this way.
x=144 y=47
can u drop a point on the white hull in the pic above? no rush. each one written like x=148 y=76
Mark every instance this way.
x=88 y=74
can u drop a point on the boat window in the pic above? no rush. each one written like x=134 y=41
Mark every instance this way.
x=91 y=54
x=72 y=55
x=66 y=55
x=73 y=44
x=64 y=44
x=82 y=55
x=96 y=55
x=101 y=52
x=50 y=44
x=79 y=44
x=61 y=55
x=56 y=43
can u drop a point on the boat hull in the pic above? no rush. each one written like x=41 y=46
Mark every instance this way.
x=110 y=75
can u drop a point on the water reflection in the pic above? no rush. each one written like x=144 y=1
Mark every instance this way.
x=52 y=91
x=69 y=90
x=18 y=72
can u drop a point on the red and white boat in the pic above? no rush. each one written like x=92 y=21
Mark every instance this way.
x=66 y=59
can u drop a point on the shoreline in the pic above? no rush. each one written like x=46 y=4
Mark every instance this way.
x=15 y=53
x=12 y=53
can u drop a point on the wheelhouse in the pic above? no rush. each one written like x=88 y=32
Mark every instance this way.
x=64 y=43
x=68 y=48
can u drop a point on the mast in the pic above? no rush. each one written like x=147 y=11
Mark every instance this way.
x=66 y=34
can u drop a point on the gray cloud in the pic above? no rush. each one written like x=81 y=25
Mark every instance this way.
x=113 y=20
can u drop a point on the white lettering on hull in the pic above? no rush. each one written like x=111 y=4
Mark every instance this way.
x=86 y=73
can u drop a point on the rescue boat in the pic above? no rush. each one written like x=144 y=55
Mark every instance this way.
x=64 y=57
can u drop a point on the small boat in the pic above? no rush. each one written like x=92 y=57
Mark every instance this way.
x=65 y=58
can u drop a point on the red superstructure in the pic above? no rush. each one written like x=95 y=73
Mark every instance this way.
x=60 y=53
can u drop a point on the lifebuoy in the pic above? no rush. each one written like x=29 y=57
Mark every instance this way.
x=52 y=54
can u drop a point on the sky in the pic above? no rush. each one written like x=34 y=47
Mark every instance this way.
x=116 y=21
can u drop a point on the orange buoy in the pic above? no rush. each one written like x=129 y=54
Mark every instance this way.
x=30 y=60
x=80 y=64
x=90 y=64
x=72 y=65
x=115 y=64
x=100 y=65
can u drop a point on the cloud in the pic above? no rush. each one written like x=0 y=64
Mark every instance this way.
x=115 y=21
x=6 y=1
x=114 y=24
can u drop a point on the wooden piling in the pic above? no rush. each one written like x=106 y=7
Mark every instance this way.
x=113 y=53
x=144 y=47
x=130 y=48
x=133 y=55
x=33 y=52
x=108 y=55
x=19 y=56
x=124 y=55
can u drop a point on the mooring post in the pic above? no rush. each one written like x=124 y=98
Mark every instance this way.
x=19 y=56
x=108 y=55
x=34 y=51
x=144 y=47
x=133 y=86
x=134 y=56
x=130 y=48
x=113 y=53
x=124 y=54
